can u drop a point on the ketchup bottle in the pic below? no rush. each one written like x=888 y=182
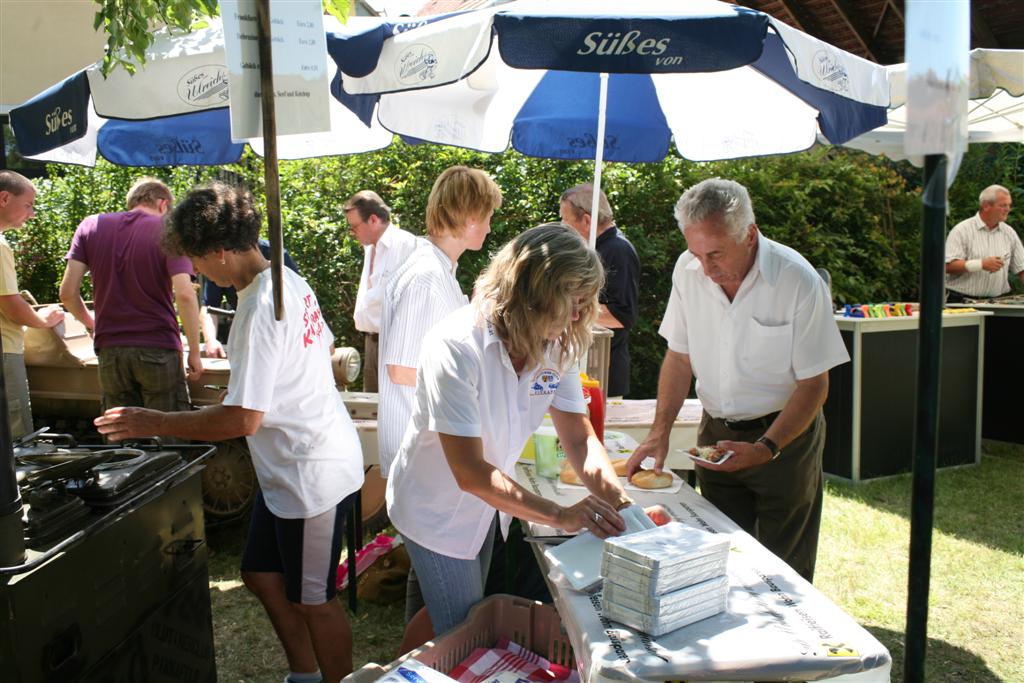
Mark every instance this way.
x=594 y=397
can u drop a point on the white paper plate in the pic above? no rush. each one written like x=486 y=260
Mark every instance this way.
x=691 y=456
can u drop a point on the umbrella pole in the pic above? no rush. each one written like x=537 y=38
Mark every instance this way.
x=602 y=110
x=929 y=352
x=595 y=203
x=270 y=174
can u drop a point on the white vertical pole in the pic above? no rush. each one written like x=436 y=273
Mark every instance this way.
x=602 y=108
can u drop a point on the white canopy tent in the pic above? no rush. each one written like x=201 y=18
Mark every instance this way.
x=995 y=108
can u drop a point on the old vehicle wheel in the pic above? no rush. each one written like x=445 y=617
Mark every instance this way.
x=229 y=481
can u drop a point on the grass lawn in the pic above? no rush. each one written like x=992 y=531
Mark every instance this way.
x=975 y=619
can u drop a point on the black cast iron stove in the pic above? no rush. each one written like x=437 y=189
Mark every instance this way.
x=113 y=585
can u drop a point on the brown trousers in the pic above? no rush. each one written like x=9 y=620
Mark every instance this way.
x=778 y=503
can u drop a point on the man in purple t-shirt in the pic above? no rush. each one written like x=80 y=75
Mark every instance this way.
x=136 y=332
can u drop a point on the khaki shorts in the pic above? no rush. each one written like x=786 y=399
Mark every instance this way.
x=19 y=408
x=143 y=376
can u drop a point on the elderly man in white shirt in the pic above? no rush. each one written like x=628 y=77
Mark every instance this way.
x=982 y=251
x=753 y=322
x=386 y=248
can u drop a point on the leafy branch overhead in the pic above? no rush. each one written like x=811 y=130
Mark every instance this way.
x=129 y=24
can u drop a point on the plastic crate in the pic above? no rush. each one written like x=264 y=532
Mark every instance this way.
x=532 y=624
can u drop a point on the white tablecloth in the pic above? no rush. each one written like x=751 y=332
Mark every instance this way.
x=776 y=627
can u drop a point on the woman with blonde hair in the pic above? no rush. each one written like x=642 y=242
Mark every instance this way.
x=417 y=295
x=488 y=373
x=424 y=290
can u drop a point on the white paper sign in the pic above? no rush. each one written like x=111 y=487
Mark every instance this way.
x=301 y=81
x=938 y=63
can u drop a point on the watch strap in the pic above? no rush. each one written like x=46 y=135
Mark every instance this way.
x=772 y=446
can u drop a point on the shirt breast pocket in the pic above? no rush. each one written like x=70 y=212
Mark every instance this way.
x=768 y=348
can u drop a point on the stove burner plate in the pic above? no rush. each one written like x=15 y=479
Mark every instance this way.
x=114 y=481
x=50 y=514
x=39 y=448
x=61 y=465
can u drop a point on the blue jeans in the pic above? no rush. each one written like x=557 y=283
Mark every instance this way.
x=450 y=586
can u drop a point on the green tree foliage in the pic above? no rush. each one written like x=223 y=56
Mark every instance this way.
x=856 y=215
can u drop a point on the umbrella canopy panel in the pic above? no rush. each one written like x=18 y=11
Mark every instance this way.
x=722 y=80
x=172 y=111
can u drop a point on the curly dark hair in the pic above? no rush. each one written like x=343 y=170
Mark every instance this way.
x=211 y=217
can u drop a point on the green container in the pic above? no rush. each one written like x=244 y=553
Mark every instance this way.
x=548 y=452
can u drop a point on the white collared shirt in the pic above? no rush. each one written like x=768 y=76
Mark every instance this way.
x=971 y=239
x=466 y=386
x=393 y=248
x=748 y=354
x=306 y=452
x=419 y=293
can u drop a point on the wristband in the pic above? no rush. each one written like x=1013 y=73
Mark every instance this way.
x=973 y=266
x=622 y=502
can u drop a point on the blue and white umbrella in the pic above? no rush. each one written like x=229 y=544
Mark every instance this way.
x=722 y=81
x=603 y=79
x=172 y=111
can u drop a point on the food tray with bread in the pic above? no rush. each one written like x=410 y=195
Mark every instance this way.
x=642 y=480
x=711 y=454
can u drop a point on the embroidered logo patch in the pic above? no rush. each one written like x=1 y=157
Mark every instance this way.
x=546 y=381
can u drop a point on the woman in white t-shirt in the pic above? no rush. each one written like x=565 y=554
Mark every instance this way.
x=281 y=397
x=488 y=373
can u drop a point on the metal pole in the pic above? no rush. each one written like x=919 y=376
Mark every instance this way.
x=922 y=502
x=12 y=538
x=270 y=174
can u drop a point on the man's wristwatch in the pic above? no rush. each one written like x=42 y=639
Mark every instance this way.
x=772 y=446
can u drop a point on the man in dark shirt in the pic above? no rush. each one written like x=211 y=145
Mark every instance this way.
x=619 y=298
x=227 y=298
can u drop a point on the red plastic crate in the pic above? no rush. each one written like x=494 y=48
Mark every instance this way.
x=532 y=624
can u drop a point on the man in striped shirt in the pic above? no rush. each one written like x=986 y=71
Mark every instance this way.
x=982 y=251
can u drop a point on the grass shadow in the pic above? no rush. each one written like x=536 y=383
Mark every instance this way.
x=944 y=662
x=979 y=503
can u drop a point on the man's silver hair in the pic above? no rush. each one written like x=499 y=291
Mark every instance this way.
x=581 y=197
x=726 y=200
x=990 y=194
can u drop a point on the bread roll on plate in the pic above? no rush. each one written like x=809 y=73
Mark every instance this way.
x=649 y=479
x=568 y=474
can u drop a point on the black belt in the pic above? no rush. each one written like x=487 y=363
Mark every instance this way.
x=762 y=422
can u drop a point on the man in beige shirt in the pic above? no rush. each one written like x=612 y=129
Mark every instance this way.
x=17 y=201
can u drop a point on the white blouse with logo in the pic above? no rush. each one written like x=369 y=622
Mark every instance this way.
x=466 y=386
